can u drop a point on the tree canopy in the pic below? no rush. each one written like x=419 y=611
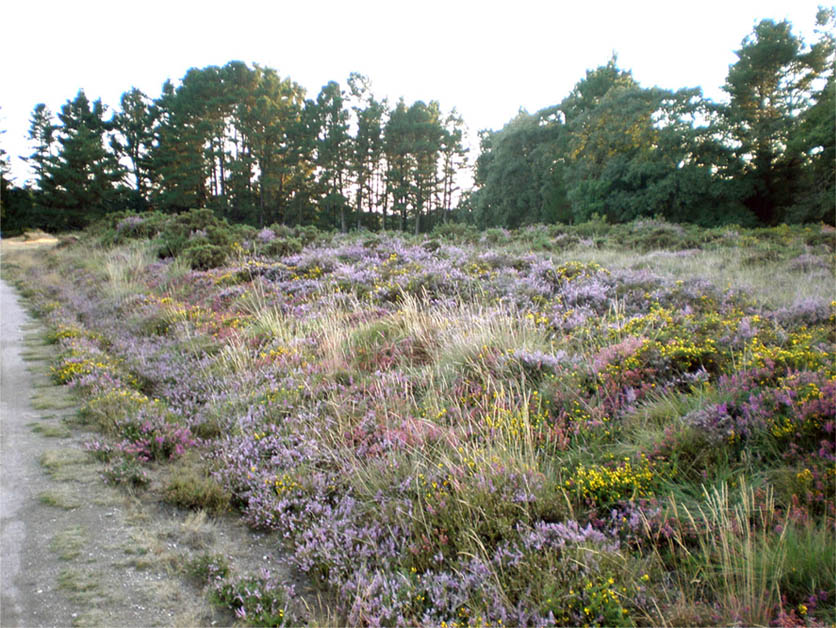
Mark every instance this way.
x=250 y=145
x=615 y=149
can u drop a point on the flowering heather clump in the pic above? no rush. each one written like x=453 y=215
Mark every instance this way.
x=619 y=353
x=266 y=235
x=129 y=223
x=537 y=360
x=258 y=600
x=462 y=433
x=807 y=312
x=148 y=440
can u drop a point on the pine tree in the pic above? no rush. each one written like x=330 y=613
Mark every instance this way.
x=133 y=141
x=82 y=175
x=770 y=88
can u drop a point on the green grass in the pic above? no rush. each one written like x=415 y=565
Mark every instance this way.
x=52 y=430
x=83 y=584
x=189 y=485
x=53 y=398
x=68 y=465
x=60 y=497
x=69 y=543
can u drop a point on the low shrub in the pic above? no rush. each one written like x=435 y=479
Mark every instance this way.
x=204 y=256
x=127 y=472
x=456 y=231
x=256 y=600
x=207 y=568
x=189 y=486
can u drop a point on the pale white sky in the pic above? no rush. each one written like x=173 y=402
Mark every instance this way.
x=487 y=59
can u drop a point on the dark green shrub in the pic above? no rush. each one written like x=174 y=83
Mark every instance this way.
x=282 y=246
x=649 y=235
x=496 y=236
x=431 y=246
x=822 y=237
x=182 y=230
x=309 y=234
x=372 y=242
x=241 y=232
x=595 y=226
x=203 y=256
x=282 y=231
x=762 y=254
x=118 y=227
x=456 y=232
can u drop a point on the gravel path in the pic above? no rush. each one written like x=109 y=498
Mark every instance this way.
x=74 y=550
x=20 y=474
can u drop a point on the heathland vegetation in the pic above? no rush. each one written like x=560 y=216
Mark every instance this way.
x=598 y=388
x=589 y=424
x=248 y=144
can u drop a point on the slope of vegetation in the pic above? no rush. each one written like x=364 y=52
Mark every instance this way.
x=595 y=424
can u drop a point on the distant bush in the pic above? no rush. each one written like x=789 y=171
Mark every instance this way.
x=496 y=236
x=821 y=237
x=192 y=225
x=595 y=226
x=456 y=231
x=204 y=256
x=118 y=227
x=648 y=235
x=282 y=246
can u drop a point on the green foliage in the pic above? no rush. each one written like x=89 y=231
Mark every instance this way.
x=201 y=238
x=127 y=472
x=202 y=255
x=18 y=210
x=134 y=142
x=190 y=487
x=206 y=568
x=456 y=231
x=516 y=173
x=244 y=143
x=282 y=246
x=255 y=599
x=769 y=86
x=808 y=567
x=76 y=184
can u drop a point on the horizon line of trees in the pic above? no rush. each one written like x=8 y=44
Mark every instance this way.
x=247 y=143
x=620 y=151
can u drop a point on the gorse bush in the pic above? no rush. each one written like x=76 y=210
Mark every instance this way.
x=562 y=425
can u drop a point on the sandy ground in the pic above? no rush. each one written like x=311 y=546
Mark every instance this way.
x=32 y=238
x=27 y=598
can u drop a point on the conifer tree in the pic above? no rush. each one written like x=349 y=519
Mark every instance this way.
x=80 y=179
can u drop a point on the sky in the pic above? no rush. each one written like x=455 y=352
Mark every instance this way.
x=486 y=59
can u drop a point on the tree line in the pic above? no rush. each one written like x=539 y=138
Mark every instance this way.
x=247 y=143
x=620 y=151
